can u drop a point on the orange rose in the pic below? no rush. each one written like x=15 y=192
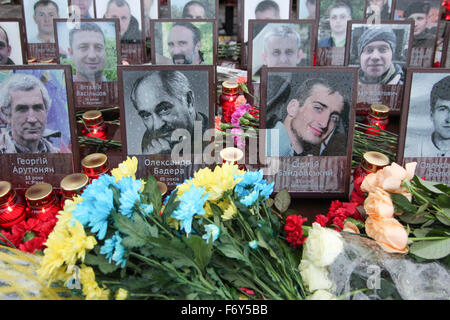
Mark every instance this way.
x=240 y=101
x=379 y=204
x=241 y=80
x=388 y=233
x=350 y=227
x=370 y=183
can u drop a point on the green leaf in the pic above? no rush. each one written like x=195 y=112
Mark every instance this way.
x=427 y=185
x=443 y=219
x=101 y=262
x=443 y=201
x=422 y=232
x=231 y=252
x=202 y=250
x=412 y=218
x=357 y=223
x=152 y=192
x=137 y=230
x=216 y=209
x=431 y=250
x=403 y=203
x=269 y=202
x=283 y=201
x=174 y=250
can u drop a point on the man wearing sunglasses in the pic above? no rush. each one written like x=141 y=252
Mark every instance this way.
x=5 y=48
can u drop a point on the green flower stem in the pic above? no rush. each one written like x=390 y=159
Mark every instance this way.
x=263 y=285
x=7 y=240
x=150 y=295
x=157 y=223
x=428 y=238
x=345 y=295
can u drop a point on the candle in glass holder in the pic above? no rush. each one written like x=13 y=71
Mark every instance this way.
x=95 y=165
x=73 y=185
x=232 y=156
x=228 y=97
x=94 y=126
x=12 y=206
x=371 y=162
x=42 y=201
x=378 y=118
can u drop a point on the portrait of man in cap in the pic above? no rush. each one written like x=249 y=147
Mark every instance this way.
x=376 y=53
x=418 y=12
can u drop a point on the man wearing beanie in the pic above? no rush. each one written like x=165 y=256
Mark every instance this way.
x=376 y=49
x=418 y=12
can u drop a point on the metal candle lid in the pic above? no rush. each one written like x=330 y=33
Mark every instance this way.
x=162 y=187
x=39 y=195
x=74 y=182
x=93 y=117
x=94 y=164
x=231 y=154
x=379 y=110
x=230 y=86
x=6 y=192
x=374 y=161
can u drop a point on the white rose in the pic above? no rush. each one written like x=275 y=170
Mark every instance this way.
x=322 y=246
x=314 y=277
x=321 y=295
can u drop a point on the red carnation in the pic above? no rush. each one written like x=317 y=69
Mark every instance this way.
x=294 y=230
x=322 y=220
x=33 y=245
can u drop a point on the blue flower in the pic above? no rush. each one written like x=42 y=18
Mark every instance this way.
x=253 y=244
x=191 y=204
x=265 y=190
x=249 y=200
x=129 y=195
x=148 y=209
x=211 y=231
x=114 y=250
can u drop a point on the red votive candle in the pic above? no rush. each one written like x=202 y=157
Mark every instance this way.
x=378 y=118
x=73 y=185
x=94 y=126
x=228 y=97
x=42 y=201
x=95 y=165
x=371 y=162
x=12 y=206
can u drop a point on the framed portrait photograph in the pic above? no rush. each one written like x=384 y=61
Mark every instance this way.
x=307 y=10
x=278 y=43
x=382 y=53
x=332 y=29
x=184 y=42
x=90 y=47
x=12 y=43
x=166 y=114
x=445 y=45
x=307 y=131
x=38 y=16
x=425 y=16
x=82 y=9
x=193 y=9
x=38 y=139
x=379 y=10
x=425 y=130
x=130 y=15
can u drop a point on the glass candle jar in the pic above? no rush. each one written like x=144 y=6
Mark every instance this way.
x=94 y=126
x=42 y=201
x=232 y=156
x=227 y=99
x=371 y=162
x=377 y=117
x=73 y=185
x=94 y=165
x=12 y=206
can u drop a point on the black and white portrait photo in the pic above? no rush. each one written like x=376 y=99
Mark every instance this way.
x=378 y=10
x=11 y=46
x=428 y=128
x=280 y=44
x=158 y=101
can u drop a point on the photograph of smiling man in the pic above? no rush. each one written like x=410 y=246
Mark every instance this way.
x=90 y=47
x=382 y=53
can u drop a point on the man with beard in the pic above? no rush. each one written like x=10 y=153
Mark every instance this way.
x=184 y=44
x=5 y=48
x=311 y=123
x=165 y=102
x=24 y=103
x=129 y=26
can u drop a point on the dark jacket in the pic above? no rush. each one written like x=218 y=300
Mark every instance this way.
x=133 y=33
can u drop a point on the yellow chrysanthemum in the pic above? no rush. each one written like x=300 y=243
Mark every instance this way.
x=127 y=168
x=229 y=211
x=90 y=287
x=121 y=294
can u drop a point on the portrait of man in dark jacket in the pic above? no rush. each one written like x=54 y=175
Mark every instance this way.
x=129 y=25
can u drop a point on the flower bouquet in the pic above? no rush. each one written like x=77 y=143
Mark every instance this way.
x=213 y=237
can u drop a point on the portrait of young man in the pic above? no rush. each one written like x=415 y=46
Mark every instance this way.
x=428 y=128
x=5 y=48
x=183 y=43
x=166 y=100
x=25 y=103
x=40 y=26
x=418 y=11
x=338 y=14
x=82 y=9
x=280 y=45
x=307 y=9
x=193 y=9
x=377 y=47
x=151 y=11
x=264 y=10
x=314 y=122
x=129 y=14
x=378 y=9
